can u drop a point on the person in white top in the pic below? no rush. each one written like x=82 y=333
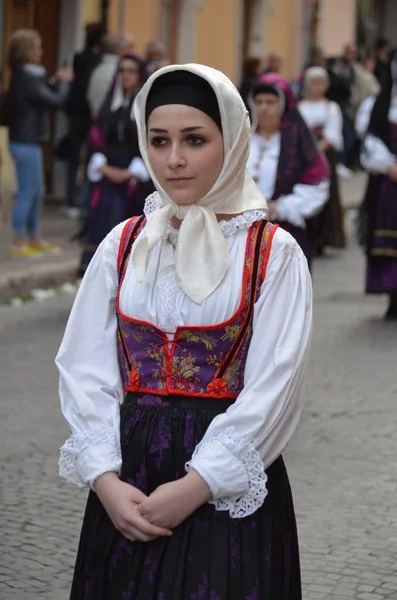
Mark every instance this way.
x=378 y=213
x=285 y=161
x=182 y=368
x=324 y=118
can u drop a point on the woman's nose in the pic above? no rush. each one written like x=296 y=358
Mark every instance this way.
x=175 y=157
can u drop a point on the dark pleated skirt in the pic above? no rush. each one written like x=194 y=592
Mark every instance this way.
x=327 y=228
x=210 y=556
x=382 y=252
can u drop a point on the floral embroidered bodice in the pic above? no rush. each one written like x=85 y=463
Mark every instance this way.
x=205 y=362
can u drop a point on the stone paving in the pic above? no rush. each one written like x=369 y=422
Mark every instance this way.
x=342 y=461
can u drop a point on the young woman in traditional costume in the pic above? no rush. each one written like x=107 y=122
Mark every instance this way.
x=326 y=122
x=182 y=369
x=289 y=169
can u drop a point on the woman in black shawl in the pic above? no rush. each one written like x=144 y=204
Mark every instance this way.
x=379 y=209
x=120 y=181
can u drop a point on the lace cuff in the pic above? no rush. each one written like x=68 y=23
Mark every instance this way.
x=84 y=458
x=234 y=471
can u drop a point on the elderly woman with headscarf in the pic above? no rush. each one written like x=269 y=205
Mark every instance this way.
x=325 y=119
x=285 y=162
x=120 y=181
x=179 y=406
x=378 y=216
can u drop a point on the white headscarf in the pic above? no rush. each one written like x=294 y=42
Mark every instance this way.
x=202 y=255
x=315 y=73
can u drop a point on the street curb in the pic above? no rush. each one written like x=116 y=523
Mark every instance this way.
x=41 y=276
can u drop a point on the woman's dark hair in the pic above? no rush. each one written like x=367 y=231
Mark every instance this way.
x=94 y=34
x=251 y=66
x=380 y=44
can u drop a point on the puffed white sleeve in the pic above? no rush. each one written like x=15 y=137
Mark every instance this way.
x=304 y=202
x=138 y=170
x=97 y=161
x=333 y=126
x=242 y=442
x=363 y=116
x=90 y=386
x=375 y=156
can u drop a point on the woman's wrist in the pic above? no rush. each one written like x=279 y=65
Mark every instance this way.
x=197 y=487
x=104 y=480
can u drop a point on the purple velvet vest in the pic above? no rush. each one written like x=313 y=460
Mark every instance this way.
x=206 y=362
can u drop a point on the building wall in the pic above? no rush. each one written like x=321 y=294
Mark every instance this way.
x=134 y=16
x=216 y=34
x=390 y=21
x=283 y=26
x=337 y=25
x=91 y=11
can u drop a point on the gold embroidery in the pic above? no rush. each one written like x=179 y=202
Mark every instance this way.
x=385 y=233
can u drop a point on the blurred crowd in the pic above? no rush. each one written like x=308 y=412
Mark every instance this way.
x=335 y=117
x=353 y=77
x=106 y=181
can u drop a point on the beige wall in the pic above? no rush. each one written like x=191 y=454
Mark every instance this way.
x=139 y=19
x=91 y=11
x=337 y=26
x=283 y=33
x=216 y=35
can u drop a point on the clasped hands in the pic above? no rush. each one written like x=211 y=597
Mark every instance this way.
x=144 y=518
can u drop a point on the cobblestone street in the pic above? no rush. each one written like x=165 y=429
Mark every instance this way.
x=342 y=462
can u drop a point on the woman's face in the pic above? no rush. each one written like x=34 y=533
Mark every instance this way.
x=185 y=149
x=317 y=88
x=37 y=52
x=268 y=110
x=129 y=73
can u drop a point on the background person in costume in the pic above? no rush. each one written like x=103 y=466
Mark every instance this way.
x=289 y=169
x=120 y=181
x=179 y=407
x=324 y=118
x=379 y=209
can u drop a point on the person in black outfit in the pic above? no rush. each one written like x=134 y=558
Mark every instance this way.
x=77 y=108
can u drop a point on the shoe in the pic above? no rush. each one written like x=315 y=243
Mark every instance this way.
x=25 y=251
x=46 y=248
x=71 y=212
x=343 y=171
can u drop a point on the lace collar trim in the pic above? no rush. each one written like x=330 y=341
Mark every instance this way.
x=228 y=228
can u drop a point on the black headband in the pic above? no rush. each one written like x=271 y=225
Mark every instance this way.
x=265 y=88
x=184 y=87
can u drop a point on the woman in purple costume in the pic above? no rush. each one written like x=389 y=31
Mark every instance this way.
x=182 y=369
x=289 y=169
x=120 y=181
x=379 y=209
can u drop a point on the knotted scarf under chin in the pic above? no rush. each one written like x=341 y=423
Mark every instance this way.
x=202 y=254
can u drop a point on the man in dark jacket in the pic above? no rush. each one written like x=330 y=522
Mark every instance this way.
x=78 y=110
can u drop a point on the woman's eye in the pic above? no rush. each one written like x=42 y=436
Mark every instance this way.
x=195 y=140
x=158 y=141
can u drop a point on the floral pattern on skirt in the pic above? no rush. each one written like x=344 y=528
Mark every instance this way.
x=210 y=556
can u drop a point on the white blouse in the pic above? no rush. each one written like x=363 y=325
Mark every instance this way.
x=253 y=432
x=375 y=157
x=304 y=202
x=98 y=160
x=324 y=114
